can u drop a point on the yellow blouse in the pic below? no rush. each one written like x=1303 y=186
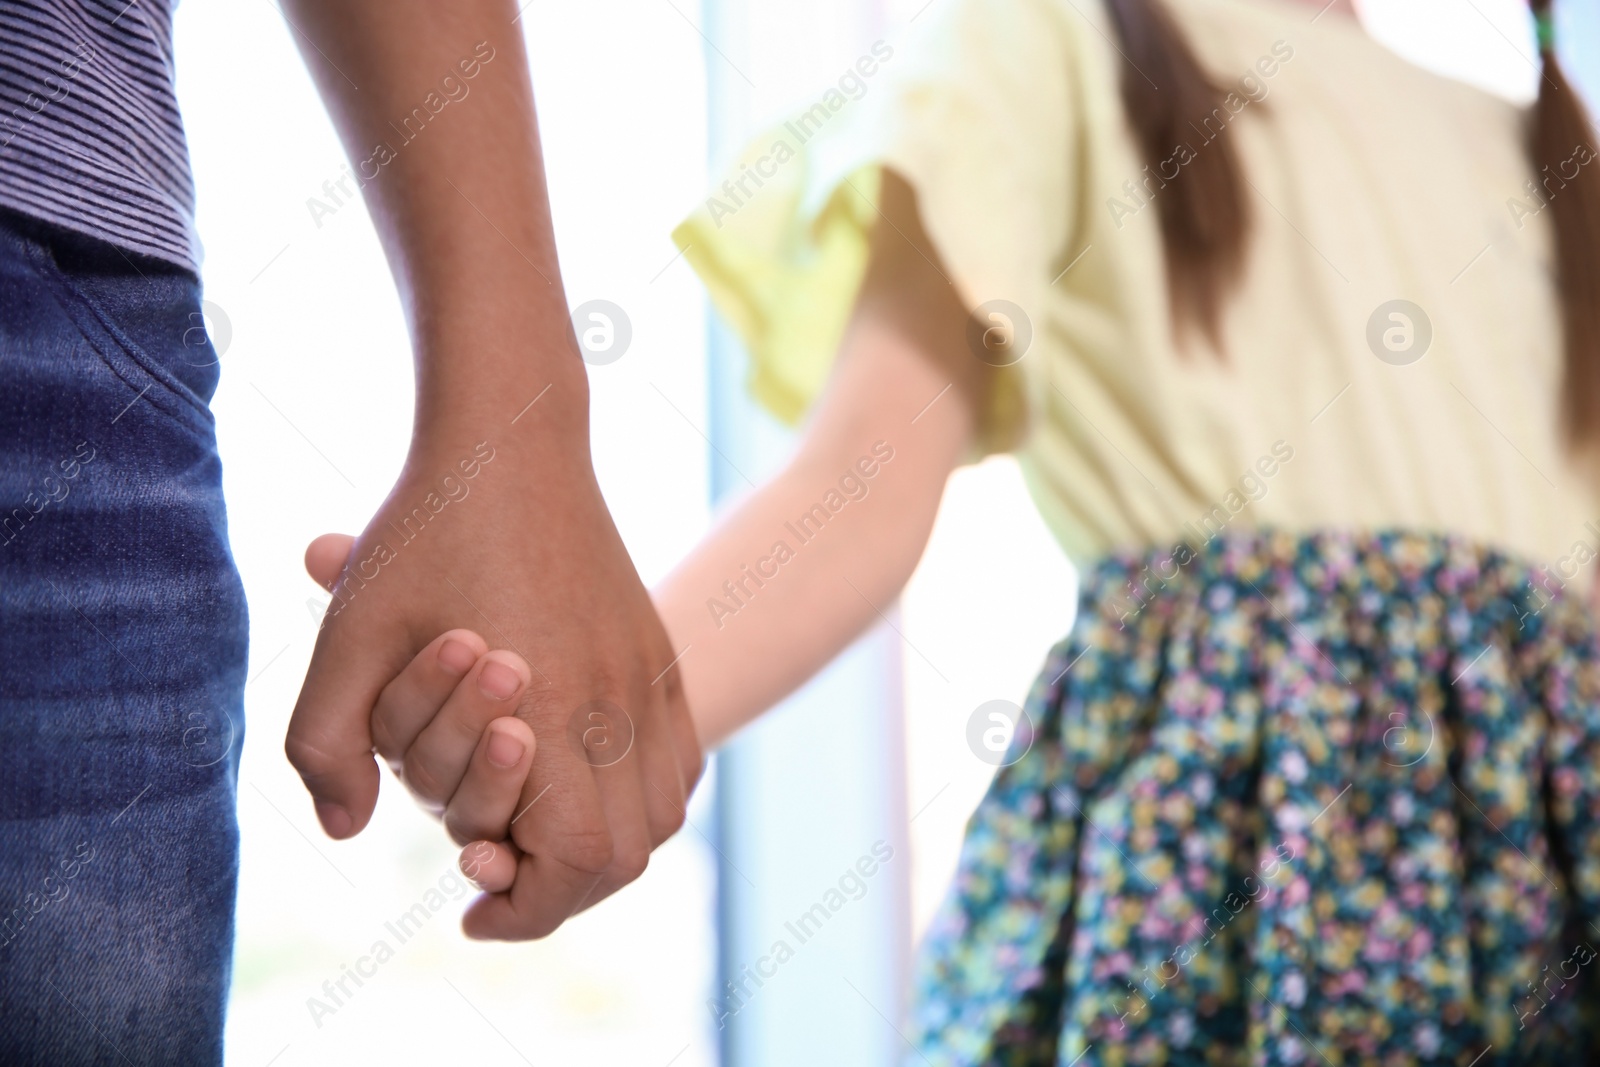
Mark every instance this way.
x=1371 y=182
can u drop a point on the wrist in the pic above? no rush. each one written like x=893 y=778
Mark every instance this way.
x=512 y=377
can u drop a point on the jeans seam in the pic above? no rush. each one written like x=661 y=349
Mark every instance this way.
x=90 y=321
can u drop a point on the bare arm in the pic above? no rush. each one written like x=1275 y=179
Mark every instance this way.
x=455 y=184
x=904 y=346
x=895 y=420
x=457 y=195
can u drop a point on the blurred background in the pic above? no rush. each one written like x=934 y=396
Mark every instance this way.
x=638 y=101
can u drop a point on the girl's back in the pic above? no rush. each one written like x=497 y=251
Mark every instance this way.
x=1315 y=775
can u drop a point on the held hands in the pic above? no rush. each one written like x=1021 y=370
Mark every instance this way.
x=530 y=555
x=559 y=791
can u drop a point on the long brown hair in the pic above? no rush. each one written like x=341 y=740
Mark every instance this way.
x=1205 y=216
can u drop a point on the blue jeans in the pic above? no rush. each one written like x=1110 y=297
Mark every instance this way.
x=122 y=662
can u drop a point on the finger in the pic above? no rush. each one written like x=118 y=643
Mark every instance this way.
x=486 y=800
x=326 y=556
x=409 y=702
x=668 y=771
x=686 y=739
x=525 y=912
x=437 y=761
x=528 y=911
x=622 y=798
x=503 y=914
x=561 y=829
x=329 y=740
x=489 y=865
x=607 y=738
x=660 y=770
x=681 y=728
x=333 y=755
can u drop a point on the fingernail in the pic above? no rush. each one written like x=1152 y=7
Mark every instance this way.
x=334 y=819
x=504 y=749
x=499 y=681
x=456 y=657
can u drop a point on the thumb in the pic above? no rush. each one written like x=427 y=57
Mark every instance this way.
x=326 y=556
x=329 y=740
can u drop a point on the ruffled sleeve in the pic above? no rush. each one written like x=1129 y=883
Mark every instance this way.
x=977 y=112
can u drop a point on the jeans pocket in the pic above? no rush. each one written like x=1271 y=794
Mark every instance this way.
x=146 y=327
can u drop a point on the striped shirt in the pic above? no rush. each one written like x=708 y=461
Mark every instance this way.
x=90 y=137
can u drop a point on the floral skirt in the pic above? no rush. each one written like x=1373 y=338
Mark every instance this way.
x=1289 y=799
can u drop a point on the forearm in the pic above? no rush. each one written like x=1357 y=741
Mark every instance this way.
x=785 y=582
x=433 y=101
x=435 y=108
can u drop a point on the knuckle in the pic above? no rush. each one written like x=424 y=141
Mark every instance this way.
x=629 y=864
x=664 y=823
x=422 y=779
x=461 y=830
x=305 y=757
x=466 y=725
x=383 y=738
x=588 y=851
x=664 y=817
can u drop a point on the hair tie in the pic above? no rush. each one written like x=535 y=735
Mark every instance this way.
x=1544 y=27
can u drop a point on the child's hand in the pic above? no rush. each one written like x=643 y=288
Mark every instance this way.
x=464 y=755
x=447 y=728
x=491 y=867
